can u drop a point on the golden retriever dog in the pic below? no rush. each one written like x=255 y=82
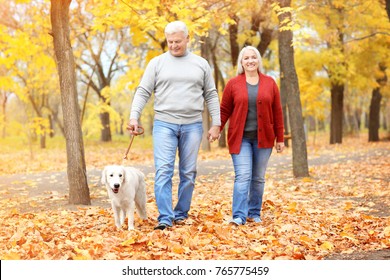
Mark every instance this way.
x=127 y=191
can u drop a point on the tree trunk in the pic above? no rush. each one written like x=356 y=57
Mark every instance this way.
x=105 y=135
x=233 y=32
x=58 y=122
x=351 y=122
x=358 y=117
x=374 y=117
x=283 y=97
x=76 y=169
x=51 y=125
x=3 y=116
x=373 y=125
x=289 y=84
x=43 y=141
x=336 y=114
x=265 y=40
x=121 y=131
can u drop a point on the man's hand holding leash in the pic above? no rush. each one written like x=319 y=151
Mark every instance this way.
x=135 y=130
x=133 y=127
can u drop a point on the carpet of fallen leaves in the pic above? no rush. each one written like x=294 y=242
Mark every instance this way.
x=332 y=211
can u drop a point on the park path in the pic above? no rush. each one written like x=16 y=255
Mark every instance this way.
x=49 y=190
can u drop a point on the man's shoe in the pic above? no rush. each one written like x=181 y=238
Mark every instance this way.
x=236 y=222
x=161 y=226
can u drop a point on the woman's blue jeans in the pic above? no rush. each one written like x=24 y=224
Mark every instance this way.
x=249 y=167
x=169 y=138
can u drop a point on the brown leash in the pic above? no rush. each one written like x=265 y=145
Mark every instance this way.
x=139 y=132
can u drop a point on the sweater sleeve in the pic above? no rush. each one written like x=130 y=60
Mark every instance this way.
x=144 y=90
x=211 y=97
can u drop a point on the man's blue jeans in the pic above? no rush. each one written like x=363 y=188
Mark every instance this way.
x=167 y=139
x=249 y=167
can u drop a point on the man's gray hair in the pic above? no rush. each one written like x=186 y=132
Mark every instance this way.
x=240 y=69
x=176 y=26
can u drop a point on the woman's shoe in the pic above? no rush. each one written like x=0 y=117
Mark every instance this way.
x=255 y=220
x=236 y=222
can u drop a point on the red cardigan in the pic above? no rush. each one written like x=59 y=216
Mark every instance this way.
x=234 y=105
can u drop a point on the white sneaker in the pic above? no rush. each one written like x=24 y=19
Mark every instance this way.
x=236 y=221
x=255 y=220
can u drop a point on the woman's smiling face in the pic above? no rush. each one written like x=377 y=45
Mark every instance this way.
x=249 y=61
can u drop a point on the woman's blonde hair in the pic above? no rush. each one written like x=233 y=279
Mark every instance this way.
x=240 y=69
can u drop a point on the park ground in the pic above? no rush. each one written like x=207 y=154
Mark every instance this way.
x=341 y=211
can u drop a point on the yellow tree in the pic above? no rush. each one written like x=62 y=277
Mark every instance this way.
x=313 y=89
x=251 y=24
x=6 y=83
x=5 y=92
x=99 y=53
x=28 y=59
x=383 y=58
x=337 y=28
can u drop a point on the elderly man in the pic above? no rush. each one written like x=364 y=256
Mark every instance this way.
x=181 y=82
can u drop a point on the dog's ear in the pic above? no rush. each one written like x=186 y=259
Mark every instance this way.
x=104 y=176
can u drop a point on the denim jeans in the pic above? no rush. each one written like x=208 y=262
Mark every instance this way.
x=249 y=167
x=167 y=139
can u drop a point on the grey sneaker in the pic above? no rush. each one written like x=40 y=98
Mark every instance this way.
x=236 y=222
x=255 y=220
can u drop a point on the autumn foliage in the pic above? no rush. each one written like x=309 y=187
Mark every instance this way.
x=341 y=208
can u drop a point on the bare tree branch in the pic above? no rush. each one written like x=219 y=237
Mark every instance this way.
x=366 y=37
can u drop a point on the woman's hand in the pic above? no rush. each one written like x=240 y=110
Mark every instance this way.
x=279 y=147
x=214 y=133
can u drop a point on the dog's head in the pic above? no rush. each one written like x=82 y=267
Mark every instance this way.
x=113 y=177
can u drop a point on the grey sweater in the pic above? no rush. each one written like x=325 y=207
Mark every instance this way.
x=180 y=86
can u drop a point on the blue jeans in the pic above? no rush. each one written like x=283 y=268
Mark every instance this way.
x=249 y=167
x=169 y=138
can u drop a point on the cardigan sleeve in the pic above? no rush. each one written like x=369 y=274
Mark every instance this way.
x=226 y=104
x=278 y=114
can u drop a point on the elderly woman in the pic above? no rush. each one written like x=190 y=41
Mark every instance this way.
x=251 y=101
